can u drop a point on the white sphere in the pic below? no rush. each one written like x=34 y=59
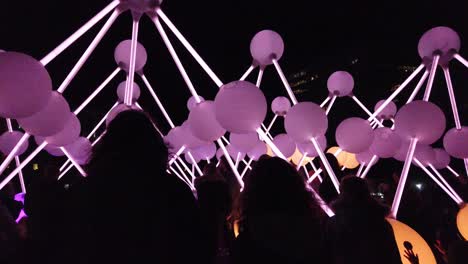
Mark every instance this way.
x=121 y=92
x=340 y=83
x=442 y=40
x=265 y=46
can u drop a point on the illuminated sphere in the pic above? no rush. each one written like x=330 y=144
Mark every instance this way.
x=422 y=120
x=366 y=157
x=297 y=157
x=240 y=107
x=257 y=151
x=265 y=46
x=49 y=120
x=25 y=85
x=308 y=147
x=122 y=55
x=117 y=110
x=386 y=142
x=54 y=151
x=341 y=157
x=191 y=102
x=441 y=158
x=425 y=154
x=405 y=233
x=340 y=83
x=80 y=149
x=174 y=139
x=462 y=221
x=189 y=160
x=403 y=150
x=280 y=105
x=354 y=135
x=189 y=140
x=69 y=133
x=203 y=123
x=351 y=161
x=219 y=153
x=8 y=141
x=285 y=144
x=305 y=121
x=121 y=92
x=388 y=112
x=207 y=151
x=439 y=39
x=142 y=6
x=244 y=142
x=456 y=142
x=234 y=152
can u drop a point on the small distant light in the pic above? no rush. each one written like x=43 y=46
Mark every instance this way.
x=35 y=166
x=419 y=186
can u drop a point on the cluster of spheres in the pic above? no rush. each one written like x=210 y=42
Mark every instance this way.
x=240 y=109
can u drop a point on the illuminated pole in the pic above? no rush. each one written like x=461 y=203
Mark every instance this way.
x=247 y=73
x=325 y=162
x=418 y=87
x=133 y=49
x=333 y=99
x=83 y=29
x=403 y=177
x=88 y=51
x=430 y=81
x=285 y=81
x=396 y=92
x=189 y=47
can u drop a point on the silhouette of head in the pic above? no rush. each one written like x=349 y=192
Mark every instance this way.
x=274 y=185
x=354 y=188
x=130 y=141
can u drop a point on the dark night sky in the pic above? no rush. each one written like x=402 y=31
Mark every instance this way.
x=382 y=34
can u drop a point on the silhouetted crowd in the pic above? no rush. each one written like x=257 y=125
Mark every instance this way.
x=129 y=209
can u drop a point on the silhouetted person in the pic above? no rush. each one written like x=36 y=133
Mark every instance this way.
x=458 y=252
x=326 y=189
x=359 y=233
x=280 y=220
x=46 y=203
x=130 y=209
x=215 y=205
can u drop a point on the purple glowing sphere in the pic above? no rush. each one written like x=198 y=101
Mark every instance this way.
x=280 y=105
x=192 y=102
x=441 y=158
x=365 y=157
x=340 y=83
x=285 y=144
x=207 y=151
x=456 y=142
x=305 y=121
x=69 y=133
x=354 y=135
x=386 y=142
x=234 y=152
x=244 y=142
x=257 y=151
x=240 y=107
x=265 y=46
x=422 y=120
x=141 y=6
x=121 y=92
x=189 y=140
x=122 y=55
x=388 y=112
x=25 y=85
x=8 y=141
x=439 y=39
x=80 y=150
x=308 y=147
x=174 y=139
x=49 y=120
x=424 y=154
x=203 y=123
